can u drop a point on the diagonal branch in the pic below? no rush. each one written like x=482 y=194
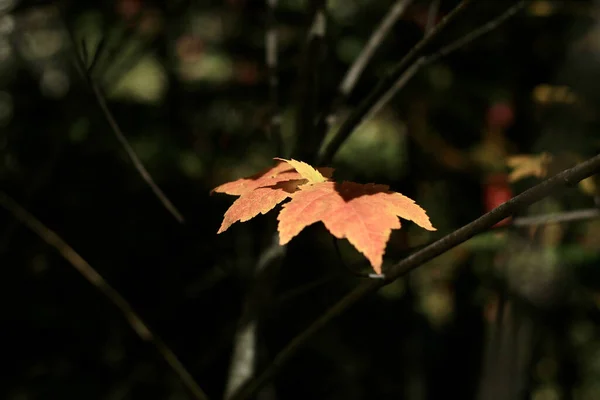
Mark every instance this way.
x=557 y=218
x=329 y=113
x=382 y=87
x=374 y=42
x=137 y=163
x=92 y=276
x=567 y=178
x=444 y=51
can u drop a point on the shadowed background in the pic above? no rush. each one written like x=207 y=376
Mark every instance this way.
x=515 y=310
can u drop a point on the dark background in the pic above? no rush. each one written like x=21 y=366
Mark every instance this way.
x=187 y=83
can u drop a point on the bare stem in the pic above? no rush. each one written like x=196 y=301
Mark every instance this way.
x=137 y=163
x=377 y=37
x=329 y=114
x=557 y=218
x=92 y=276
x=567 y=178
x=363 y=108
x=444 y=51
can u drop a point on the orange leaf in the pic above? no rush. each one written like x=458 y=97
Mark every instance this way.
x=364 y=214
x=270 y=176
x=260 y=200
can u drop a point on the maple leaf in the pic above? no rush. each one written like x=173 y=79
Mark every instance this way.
x=525 y=166
x=261 y=192
x=363 y=214
x=281 y=172
x=544 y=165
x=259 y=201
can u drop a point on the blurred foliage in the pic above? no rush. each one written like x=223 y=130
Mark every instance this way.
x=187 y=82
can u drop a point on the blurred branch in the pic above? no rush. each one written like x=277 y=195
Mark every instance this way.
x=137 y=163
x=377 y=37
x=567 y=178
x=99 y=50
x=93 y=277
x=555 y=218
x=328 y=115
x=446 y=50
x=382 y=87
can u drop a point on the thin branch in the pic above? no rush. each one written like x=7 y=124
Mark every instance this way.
x=399 y=84
x=556 y=218
x=97 y=53
x=329 y=114
x=478 y=32
x=376 y=39
x=137 y=163
x=567 y=178
x=92 y=276
x=356 y=117
x=133 y=156
x=423 y=61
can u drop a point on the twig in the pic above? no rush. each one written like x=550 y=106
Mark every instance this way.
x=555 y=218
x=399 y=84
x=357 y=67
x=566 y=178
x=411 y=71
x=92 y=276
x=99 y=50
x=356 y=117
x=444 y=51
x=478 y=32
x=137 y=163
x=329 y=114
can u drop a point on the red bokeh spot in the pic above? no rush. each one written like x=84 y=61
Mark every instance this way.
x=500 y=115
x=189 y=48
x=128 y=8
x=496 y=190
x=246 y=72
